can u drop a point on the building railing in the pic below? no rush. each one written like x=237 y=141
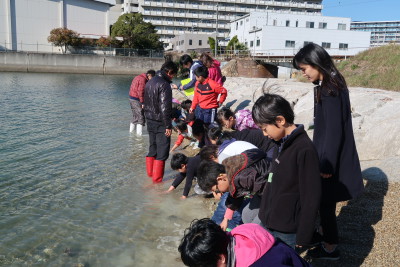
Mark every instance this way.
x=84 y=50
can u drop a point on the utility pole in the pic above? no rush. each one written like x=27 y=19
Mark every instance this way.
x=216 y=33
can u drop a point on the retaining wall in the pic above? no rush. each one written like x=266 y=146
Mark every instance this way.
x=95 y=64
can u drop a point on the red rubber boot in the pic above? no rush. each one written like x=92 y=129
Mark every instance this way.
x=149 y=165
x=158 y=171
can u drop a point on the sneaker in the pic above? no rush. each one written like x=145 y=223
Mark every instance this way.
x=320 y=253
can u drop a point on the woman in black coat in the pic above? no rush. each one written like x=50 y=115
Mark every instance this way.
x=334 y=140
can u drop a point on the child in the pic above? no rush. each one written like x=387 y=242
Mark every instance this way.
x=199 y=131
x=213 y=66
x=339 y=165
x=240 y=120
x=184 y=131
x=187 y=167
x=185 y=106
x=206 y=244
x=242 y=176
x=206 y=96
x=291 y=196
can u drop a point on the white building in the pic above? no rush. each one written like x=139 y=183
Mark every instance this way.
x=26 y=24
x=177 y=17
x=283 y=34
x=382 y=32
x=191 y=42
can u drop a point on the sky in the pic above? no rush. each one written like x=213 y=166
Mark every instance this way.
x=363 y=10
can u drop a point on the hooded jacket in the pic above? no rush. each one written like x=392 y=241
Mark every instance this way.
x=247 y=174
x=214 y=72
x=252 y=245
x=206 y=94
x=158 y=99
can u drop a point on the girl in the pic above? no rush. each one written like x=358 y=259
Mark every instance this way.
x=290 y=200
x=239 y=121
x=213 y=66
x=334 y=140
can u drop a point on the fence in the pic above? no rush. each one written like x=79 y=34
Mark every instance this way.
x=83 y=50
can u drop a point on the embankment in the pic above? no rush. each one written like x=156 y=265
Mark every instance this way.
x=93 y=64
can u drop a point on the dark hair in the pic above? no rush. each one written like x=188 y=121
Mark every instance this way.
x=224 y=113
x=169 y=66
x=269 y=106
x=186 y=104
x=177 y=160
x=151 y=72
x=208 y=151
x=203 y=243
x=218 y=135
x=207 y=174
x=185 y=59
x=317 y=57
x=201 y=71
x=198 y=128
x=181 y=125
x=206 y=59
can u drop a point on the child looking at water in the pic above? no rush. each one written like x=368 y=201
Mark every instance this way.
x=206 y=244
x=184 y=131
x=291 y=196
x=339 y=164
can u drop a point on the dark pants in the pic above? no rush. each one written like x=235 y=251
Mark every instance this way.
x=206 y=115
x=327 y=212
x=158 y=142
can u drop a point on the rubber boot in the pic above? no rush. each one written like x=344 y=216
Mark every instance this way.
x=139 y=129
x=131 y=127
x=150 y=165
x=158 y=171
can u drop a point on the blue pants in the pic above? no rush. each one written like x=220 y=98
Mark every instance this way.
x=219 y=213
x=206 y=115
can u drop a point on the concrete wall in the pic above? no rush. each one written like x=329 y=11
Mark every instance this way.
x=36 y=62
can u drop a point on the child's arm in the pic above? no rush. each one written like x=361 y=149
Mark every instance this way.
x=191 y=169
x=177 y=143
x=177 y=181
x=228 y=216
x=195 y=100
x=219 y=89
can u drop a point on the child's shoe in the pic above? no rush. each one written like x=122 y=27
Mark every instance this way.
x=320 y=253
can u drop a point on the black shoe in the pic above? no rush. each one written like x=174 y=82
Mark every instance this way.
x=320 y=253
x=316 y=239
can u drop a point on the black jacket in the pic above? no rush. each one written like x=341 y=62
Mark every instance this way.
x=291 y=197
x=247 y=174
x=158 y=99
x=191 y=172
x=334 y=141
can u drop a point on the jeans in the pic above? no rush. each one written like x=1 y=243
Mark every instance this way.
x=219 y=213
x=288 y=238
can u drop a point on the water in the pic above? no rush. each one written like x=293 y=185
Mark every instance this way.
x=73 y=189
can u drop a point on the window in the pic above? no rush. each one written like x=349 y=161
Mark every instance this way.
x=190 y=42
x=297 y=23
x=274 y=22
x=341 y=26
x=237 y=25
x=251 y=43
x=326 y=45
x=343 y=46
x=323 y=25
x=245 y=43
x=310 y=24
x=287 y=23
x=307 y=42
x=200 y=42
x=258 y=42
x=289 y=43
x=241 y=22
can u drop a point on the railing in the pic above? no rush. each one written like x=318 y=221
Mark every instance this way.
x=84 y=50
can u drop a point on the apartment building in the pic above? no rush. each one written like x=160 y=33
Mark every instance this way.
x=283 y=34
x=382 y=32
x=177 y=17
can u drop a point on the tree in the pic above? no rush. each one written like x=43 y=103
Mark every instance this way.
x=136 y=33
x=63 y=37
x=211 y=42
x=234 y=45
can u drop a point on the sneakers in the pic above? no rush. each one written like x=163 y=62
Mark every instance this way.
x=320 y=253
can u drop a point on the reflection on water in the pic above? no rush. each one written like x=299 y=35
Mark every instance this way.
x=73 y=189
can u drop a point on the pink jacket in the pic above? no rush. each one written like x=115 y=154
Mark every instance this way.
x=214 y=72
x=252 y=241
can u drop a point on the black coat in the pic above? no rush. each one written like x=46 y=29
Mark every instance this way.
x=158 y=99
x=334 y=141
x=291 y=197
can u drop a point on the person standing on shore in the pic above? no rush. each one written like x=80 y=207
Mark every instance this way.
x=136 y=99
x=214 y=69
x=339 y=164
x=157 y=111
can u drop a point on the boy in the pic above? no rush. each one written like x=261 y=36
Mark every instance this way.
x=187 y=167
x=184 y=131
x=206 y=244
x=290 y=200
x=206 y=96
x=242 y=176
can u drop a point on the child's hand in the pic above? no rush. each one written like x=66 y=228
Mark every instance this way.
x=224 y=224
x=190 y=110
x=217 y=195
x=183 y=197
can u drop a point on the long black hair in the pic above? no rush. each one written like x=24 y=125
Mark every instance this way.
x=269 y=106
x=317 y=57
